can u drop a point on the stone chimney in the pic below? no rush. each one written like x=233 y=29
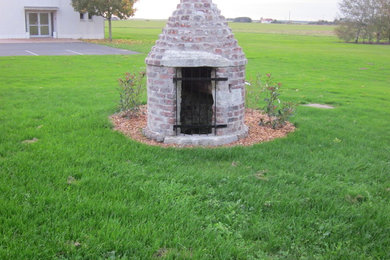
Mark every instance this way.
x=196 y=79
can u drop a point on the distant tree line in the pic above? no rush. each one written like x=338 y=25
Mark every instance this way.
x=364 y=21
x=322 y=22
x=242 y=20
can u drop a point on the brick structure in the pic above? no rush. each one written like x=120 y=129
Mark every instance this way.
x=196 y=79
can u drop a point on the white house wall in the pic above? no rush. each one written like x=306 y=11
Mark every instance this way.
x=12 y=23
x=68 y=20
x=67 y=23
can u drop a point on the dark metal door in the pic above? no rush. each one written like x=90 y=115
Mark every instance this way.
x=195 y=102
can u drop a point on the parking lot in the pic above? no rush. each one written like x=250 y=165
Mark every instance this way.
x=57 y=48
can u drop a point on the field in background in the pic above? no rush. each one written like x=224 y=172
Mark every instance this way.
x=292 y=29
x=322 y=30
x=142 y=34
x=72 y=188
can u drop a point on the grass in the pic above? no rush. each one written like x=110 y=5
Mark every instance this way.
x=80 y=190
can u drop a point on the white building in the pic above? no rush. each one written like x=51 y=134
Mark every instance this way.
x=47 y=18
x=266 y=20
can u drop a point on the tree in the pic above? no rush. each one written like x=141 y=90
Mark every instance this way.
x=356 y=13
x=106 y=8
x=367 y=19
x=385 y=17
x=346 y=31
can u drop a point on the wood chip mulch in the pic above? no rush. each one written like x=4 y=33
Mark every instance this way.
x=132 y=127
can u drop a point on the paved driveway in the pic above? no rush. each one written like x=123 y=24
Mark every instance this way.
x=58 y=48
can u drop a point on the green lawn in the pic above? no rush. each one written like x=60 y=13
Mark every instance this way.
x=83 y=191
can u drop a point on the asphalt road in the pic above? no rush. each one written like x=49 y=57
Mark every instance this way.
x=54 y=49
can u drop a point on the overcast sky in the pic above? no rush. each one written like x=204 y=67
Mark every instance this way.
x=311 y=10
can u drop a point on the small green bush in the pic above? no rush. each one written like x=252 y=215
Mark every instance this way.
x=130 y=92
x=278 y=112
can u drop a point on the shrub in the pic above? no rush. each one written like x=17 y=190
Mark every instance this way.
x=286 y=111
x=130 y=91
x=347 y=31
x=278 y=112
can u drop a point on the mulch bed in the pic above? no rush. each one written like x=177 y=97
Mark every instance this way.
x=132 y=127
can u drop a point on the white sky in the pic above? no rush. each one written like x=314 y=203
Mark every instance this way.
x=310 y=10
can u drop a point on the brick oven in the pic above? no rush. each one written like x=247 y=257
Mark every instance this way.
x=196 y=79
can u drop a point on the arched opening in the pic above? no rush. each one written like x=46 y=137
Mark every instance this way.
x=196 y=113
